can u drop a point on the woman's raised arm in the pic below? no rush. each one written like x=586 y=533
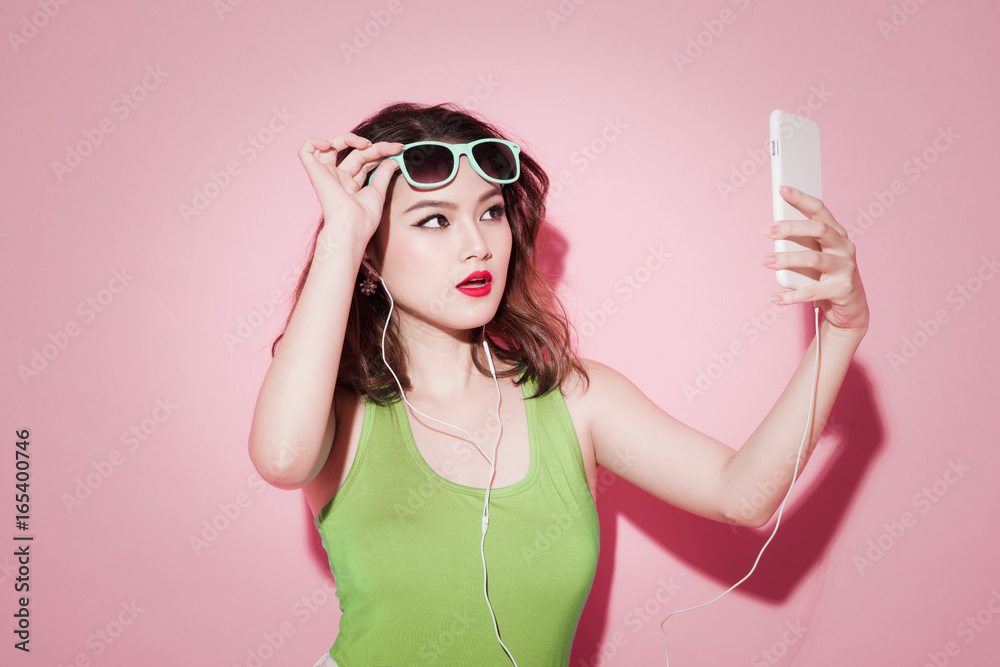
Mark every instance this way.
x=680 y=465
x=294 y=421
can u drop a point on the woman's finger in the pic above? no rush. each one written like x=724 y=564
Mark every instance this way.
x=823 y=262
x=811 y=207
x=328 y=149
x=382 y=176
x=357 y=160
x=825 y=235
x=341 y=142
x=307 y=155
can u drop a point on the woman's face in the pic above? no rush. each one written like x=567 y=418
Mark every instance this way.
x=430 y=241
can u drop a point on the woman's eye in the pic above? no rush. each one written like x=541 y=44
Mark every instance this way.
x=423 y=223
x=494 y=212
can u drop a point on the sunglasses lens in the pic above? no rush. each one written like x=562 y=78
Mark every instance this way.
x=428 y=164
x=496 y=159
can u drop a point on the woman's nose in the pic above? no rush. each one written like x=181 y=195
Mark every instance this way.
x=474 y=243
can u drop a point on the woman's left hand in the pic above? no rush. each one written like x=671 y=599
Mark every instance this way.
x=839 y=292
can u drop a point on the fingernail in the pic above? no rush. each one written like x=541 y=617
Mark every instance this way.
x=778 y=298
x=771 y=230
x=785 y=190
x=768 y=259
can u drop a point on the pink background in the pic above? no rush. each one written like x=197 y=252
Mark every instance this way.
x=190 y=319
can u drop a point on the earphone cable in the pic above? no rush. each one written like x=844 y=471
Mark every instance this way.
x=805 y=437
x=492 y=462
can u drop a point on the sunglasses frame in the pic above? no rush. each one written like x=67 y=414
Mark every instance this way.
x=457 y=151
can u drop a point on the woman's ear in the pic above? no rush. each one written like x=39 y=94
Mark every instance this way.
x=367 y=261
x=369 y=268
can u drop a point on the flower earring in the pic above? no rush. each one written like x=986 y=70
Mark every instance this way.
x=368 y=286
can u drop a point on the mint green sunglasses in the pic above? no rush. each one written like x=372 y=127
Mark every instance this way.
x=431 y=164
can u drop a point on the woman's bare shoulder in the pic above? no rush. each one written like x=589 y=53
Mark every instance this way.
x=585 y=394
x=577 y=387
x=576 y=391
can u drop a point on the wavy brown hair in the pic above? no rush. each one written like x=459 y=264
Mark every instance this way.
x=530 y=328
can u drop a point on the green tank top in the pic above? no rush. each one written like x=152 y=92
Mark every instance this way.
x=404 y=549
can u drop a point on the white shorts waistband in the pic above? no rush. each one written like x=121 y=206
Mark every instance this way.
x=326 y=661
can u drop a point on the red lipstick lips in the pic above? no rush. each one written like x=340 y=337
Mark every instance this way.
x=476 y=284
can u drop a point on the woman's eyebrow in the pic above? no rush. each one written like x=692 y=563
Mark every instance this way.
x=492 y=192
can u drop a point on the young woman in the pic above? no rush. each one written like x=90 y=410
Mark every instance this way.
x=460 y=522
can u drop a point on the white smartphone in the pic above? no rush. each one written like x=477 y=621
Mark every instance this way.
x=795 y=161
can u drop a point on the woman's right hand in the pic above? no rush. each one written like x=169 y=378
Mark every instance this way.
x=349 y=207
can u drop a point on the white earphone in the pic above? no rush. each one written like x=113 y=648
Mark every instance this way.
x=805 y=438
x=486 y=513
x=373 y=274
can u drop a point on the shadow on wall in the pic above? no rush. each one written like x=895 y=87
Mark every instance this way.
x=726 y=553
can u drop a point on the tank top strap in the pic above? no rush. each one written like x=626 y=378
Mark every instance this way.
x=380 y=446
x=387 y=455
x=406 y=550
x=556 y=440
